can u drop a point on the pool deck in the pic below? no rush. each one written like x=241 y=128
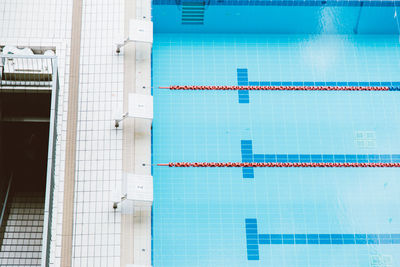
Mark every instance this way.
x=136 y=143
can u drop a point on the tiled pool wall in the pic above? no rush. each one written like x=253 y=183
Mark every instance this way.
x=287 y=2
x=303 y=217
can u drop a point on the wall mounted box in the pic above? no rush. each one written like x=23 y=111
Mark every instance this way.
x=140 y=106
x=140 y=31
x=138 y=188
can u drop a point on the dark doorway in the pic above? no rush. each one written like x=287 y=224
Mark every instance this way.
x=24 y=133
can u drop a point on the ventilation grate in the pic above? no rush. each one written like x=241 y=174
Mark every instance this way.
x=193 y=13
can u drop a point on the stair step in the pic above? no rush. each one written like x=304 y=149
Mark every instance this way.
x=26 y=210
x=11 y=264
x=23 y=235
x=24 y=223
x=26 y=205
x=26 y=217
x=23 y=241
x=20 y=255
x=20 y=248
x=18 y=265
x=19 y=262
x=22 y=229
x=24 y=220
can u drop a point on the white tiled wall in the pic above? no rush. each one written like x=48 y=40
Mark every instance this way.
x=96 y=239
x=96 y=225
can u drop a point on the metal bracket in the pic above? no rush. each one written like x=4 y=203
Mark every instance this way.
x=115 y=203
x=119 y=46
x=116 y=122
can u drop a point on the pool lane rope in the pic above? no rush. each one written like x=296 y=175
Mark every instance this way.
x=282 y=164
x=282 y=88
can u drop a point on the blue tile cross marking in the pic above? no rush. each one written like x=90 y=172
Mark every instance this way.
x=248 y=156
x=253 y=239
x=243 y=80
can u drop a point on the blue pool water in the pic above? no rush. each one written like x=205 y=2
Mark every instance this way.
x=265 y=216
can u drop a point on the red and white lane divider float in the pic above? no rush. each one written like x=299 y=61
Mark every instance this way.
x=282 y=164
x=278 y=88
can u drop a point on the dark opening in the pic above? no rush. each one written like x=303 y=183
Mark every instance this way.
x=24 y=133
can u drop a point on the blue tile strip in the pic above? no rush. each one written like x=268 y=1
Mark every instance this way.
x=248 y=156
x=253 y=239
x=243 y=80
x=288 y=2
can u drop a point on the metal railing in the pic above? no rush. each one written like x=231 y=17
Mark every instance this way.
x=48 y=209
x=37 y=72
x=28 y=71
x=4 y=204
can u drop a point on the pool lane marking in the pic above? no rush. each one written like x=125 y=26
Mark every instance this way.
x=278 y=88
x=244 y=86
x=249 y=156
x=283 y=164
x=253 y=239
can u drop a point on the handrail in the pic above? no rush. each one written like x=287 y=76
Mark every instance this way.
x=11 y=56
x=6 y=199
x=48 y=209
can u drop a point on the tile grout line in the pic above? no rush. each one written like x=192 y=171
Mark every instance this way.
x=70 y=151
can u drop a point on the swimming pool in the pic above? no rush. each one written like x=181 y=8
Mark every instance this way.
x=276 y=216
